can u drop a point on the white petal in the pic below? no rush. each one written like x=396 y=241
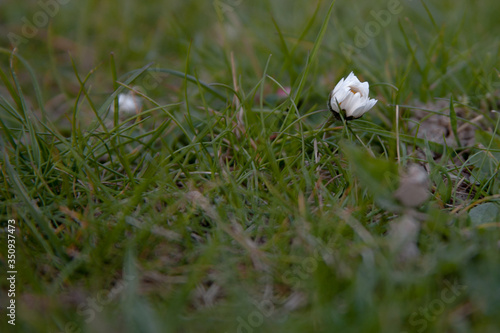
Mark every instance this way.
x=340 y=95
x=367 y=87
x=346 y=103
x=335 y=101
x=365 y=107
x=352 y=103
x=364 y=88
x=334 y=104
x=352 y=79
x=340 y=86
x=358 y=112
x=371 y=103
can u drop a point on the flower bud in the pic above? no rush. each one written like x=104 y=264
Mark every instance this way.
x=350 y=96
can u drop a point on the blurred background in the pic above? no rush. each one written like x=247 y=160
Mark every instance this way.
x=427 y=49
x=410 y=51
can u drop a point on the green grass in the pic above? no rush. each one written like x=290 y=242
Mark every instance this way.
x=229 y=205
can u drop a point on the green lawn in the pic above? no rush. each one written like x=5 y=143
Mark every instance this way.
x=227 y=198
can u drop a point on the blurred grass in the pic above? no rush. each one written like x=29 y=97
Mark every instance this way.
x=229 y=204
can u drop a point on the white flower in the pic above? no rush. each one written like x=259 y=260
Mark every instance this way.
x=351 y=96
x=128 y=104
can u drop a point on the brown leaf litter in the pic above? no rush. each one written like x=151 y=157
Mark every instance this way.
x=432 y=122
